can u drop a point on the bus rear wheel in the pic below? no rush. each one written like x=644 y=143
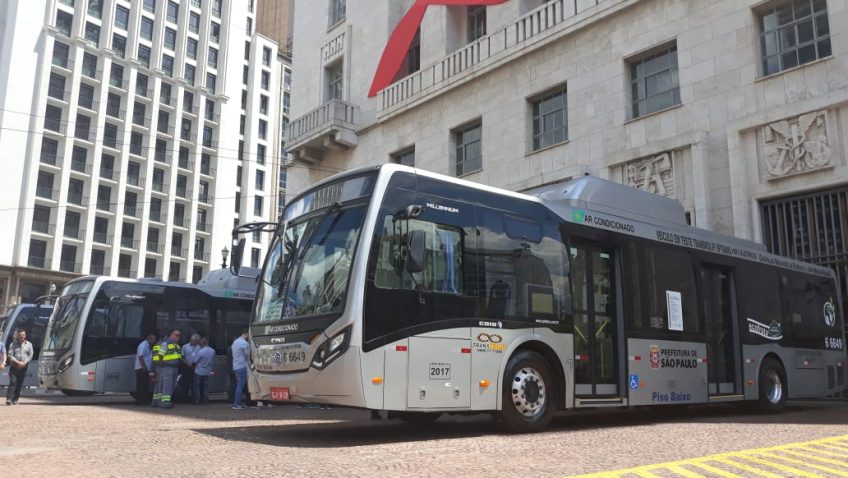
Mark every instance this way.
x=772 y=387
x=527 y=399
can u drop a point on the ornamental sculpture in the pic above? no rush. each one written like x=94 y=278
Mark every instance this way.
x=653 y=174
x=796 y=145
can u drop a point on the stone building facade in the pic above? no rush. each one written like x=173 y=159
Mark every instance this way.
x=736 y=108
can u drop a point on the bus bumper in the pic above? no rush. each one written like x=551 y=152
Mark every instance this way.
x=338 y=384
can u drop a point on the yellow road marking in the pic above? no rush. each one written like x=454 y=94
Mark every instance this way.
x=759 y=462
x=808 y=454
x=774 y=455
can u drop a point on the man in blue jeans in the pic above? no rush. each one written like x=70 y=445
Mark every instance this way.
x=241 y=354
x=204 y=360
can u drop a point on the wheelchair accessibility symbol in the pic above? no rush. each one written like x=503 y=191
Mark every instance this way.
x=634 y=382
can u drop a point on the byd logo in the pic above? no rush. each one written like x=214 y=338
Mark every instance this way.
x=402 y=36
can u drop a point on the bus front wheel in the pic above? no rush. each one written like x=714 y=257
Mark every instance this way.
x=772 y=387
x=527 y=393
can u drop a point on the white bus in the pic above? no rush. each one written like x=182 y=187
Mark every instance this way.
x=32 y=319
x=91 y=340
x=396 y=289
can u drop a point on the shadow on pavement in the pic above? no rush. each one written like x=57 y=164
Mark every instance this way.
x=355 y=429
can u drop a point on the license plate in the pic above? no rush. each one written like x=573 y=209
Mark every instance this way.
x=280 y=394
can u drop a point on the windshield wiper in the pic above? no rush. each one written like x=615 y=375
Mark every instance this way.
x=308 y=242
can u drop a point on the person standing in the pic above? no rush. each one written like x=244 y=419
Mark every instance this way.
x=189 y=351
x=143 y=366
x=20 y=355
x=2 y=356
x=241 y=355
x=166 y=360
x=204 y=359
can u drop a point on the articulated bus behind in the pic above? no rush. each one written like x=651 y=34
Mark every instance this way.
x=398 y=289
x=90 y=344
x=31 y=318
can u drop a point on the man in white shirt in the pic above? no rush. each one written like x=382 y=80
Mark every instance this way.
x=20 y=355
x=143 y=366
x=241 y=355
x=204 y=361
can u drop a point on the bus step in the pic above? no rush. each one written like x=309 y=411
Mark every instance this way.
x=601 y=402
x=726 y=398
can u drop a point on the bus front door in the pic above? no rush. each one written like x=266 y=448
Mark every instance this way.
x=717 y=284
x=595 y=324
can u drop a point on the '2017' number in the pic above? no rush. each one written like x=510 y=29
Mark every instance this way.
x=439 y=371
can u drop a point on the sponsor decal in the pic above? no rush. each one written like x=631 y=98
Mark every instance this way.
x=634 y=382
x=654 y=355
x=578 y=215
x=278 y=340
x=497 y=324
x=277 y=329
x=402 y=37
x=829 y=313
x=487 y=342
x=671 y=397
x=773 y=331
x=664 y=357
x=439 y=207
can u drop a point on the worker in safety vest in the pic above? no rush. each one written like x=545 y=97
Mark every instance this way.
x=166 y=363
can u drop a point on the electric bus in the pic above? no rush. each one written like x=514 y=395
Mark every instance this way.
x=32 y=319
x=98 y=322
x=396 y=289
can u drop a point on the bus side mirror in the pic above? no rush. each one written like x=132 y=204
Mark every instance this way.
x=238 y=253
x=415 y=248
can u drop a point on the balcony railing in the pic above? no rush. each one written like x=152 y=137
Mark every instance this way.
x=102 y=238
x=137 y=181
x=116 y=112
x=106 y=173
x=52 y=159
x=79 y=166
x=70 y=266
x=78 y=199
x=45 y=192
x=333 y=124
x=140 y=120
x=203 y=227
x=105 y=205
x=126 y=273
x=131 y=211
x=160 y=187
x=74 y=232
x=58 y=94
x=157 y=217
x=99 y=270
x=184 y=193
x=515 y=38
x=182 y=163
x=129 y=243
x=111 y=142
x=181 y=222
x=88 y=103
x=155 y=247
x=39 y=262
x=43 y=227
x=162 y=156
x=201 y=256
x=178 y=251
x=62 y=62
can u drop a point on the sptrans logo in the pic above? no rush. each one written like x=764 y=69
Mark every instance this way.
x=403 y=35
x=829 y=313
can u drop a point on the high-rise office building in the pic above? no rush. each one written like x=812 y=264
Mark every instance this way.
x=135 y=135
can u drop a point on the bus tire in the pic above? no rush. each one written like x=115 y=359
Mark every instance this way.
x=418 y=418
x=528 y=401
x=772 y=387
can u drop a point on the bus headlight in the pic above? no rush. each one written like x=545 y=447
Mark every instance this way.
x=331 y=349
x=64 y=364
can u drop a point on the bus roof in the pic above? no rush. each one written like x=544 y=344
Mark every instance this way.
x=217 y=283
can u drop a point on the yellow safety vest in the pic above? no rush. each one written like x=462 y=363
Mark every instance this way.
x=166 y=354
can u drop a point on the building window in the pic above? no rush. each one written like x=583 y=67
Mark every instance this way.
x=476 y=22
x=794 y=33
x=216 y=8
x=260 y=180
x=95 y=8
x=405 y=156
x=68 y=261
x=56 y=87
x=654 y=81
x=412 y=60
x=144 y=56
x=263 y=129
x=146 y=28
x=171 y=39
x=173 y=12
x=119 y=45
x=150 y=266
x=53 y=118
x=469 y=149
x=194 y=22
x=215 y=32
x=149 y=6
x=92 y=33
x=263 y=105
x=191 y=48
x=64 y=22
x=257 y=205
x=241 y=125
x=89 y=65
x=249 y=26
x=550 y=118
x=254 y=257
x=260 y=154
x=41 y=219
x=168 y=65
x=207 y=136
x=266 y=56
x=37 y=253
x=122 y=17
x=335 y=82
x=189 y=73
x=60 y=55
x=337 y=11
x=212 y=58
x=49 y=151
x=266 y=80
x=210 y=82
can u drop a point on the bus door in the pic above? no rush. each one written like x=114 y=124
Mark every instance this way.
x=595 y=321
x=721 y=335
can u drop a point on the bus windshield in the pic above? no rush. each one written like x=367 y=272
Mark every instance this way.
x=308 y=269
x=69 y=306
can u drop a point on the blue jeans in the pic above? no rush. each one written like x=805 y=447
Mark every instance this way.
x=241 y=382
x=200 y=388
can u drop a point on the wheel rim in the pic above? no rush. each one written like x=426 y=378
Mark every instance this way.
x=528 y=392
x=774 y=386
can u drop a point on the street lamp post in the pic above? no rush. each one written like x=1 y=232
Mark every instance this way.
x=224 y=253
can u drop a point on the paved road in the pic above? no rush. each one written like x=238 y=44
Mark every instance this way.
x=107 y=436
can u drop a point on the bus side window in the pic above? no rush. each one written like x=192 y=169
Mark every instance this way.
x=760 y=310
x=803 y=314
x=667 y=275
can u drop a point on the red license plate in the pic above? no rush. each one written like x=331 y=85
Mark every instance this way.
x=280 y=393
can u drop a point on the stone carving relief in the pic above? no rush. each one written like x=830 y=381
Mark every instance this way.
x=654 y=174
x=796 y=145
